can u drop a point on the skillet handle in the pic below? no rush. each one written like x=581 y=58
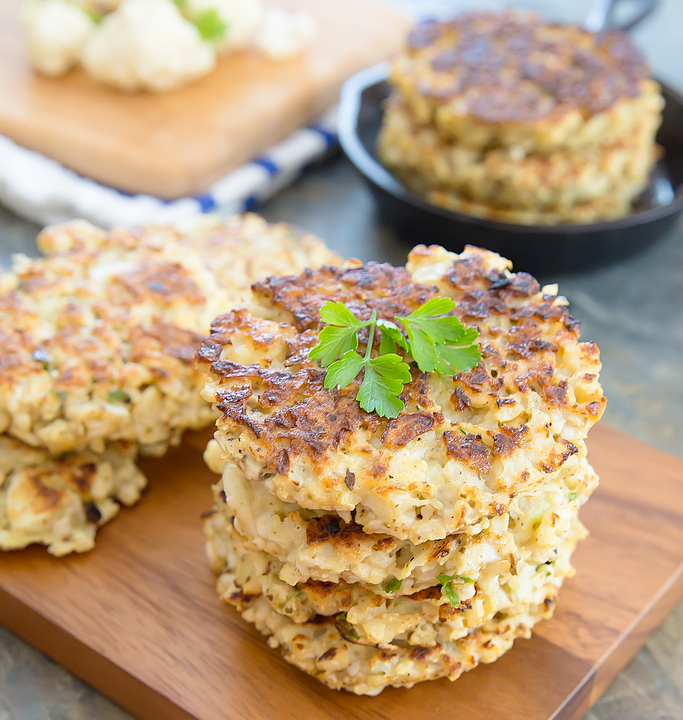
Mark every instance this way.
x=601 y=14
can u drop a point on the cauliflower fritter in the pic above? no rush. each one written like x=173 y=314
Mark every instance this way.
x=99 y=335
x=61 y=502
x=491 y=571
x=497 y=79
x=380 y=552
x=319 y=546
x=510 y=180
x=462 y=448
x=506 y=117
x=605 y=208
x=351 y=638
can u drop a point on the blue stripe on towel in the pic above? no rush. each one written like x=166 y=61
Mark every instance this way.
x=329 y=137
x=269 y=165
x=206 y=202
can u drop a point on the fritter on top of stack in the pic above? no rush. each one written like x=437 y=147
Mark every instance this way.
x=508 y=117
x=381 y=552
x=98 y=339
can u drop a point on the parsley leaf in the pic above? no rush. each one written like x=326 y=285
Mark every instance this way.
x=457 y=359
x=391 y=332
x=383 y=376
x=339 y=335
x=453 y=597
x=387 y=346
x=333 y=342
x=436 y=341
x=336 y=313
x=382 y=384
x=342 y=373
x=210 y=25
x=118 y=396
x=433 y=319
x=440 y=342
x=393 y=586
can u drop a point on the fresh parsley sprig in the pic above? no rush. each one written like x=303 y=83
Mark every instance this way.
x=434 y=339
x=383 y=376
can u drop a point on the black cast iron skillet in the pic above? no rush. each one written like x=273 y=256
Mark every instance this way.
x=539 y=249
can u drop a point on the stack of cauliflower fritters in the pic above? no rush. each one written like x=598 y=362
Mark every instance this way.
x=380 y=552
x=506 y=117
x=98 y=340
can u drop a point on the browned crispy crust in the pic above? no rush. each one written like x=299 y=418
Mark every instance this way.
x=98 y=337
x=462 y=448
x=301 y=414
x=514 y=68
x=468 y=448
x=363 y=288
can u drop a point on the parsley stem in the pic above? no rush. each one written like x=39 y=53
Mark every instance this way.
x=371 y=336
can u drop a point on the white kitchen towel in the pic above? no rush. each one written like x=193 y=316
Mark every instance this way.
x=42 y=190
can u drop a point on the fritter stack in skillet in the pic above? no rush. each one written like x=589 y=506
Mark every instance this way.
x=98 y=339
x=381 y=552
x=507 y=117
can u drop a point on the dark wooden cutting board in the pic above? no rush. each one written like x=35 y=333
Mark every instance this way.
x=138 y=617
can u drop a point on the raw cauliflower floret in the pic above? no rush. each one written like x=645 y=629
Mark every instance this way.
x=56 y=33
x=242 y=19
x=284 y=34
x=147 y=45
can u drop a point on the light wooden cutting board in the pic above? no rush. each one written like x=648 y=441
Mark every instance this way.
x=138 y=617
x=177 y=143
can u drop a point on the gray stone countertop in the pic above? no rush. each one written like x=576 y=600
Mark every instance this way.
x=634 y=310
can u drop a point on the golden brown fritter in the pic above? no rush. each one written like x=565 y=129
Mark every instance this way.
x=99 y=336
x=319 y=546
x=504 y=116
x=61 y=502
x=379 y=552
x=488 y=79
x=560 y=185
x=351 y=638
x=508 y=426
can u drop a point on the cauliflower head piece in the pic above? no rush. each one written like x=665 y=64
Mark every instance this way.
x=147 y=45
x=56 y=31
x=285 y=34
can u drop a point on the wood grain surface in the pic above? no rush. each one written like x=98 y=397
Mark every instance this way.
x=138 y=617
x=177 y=143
